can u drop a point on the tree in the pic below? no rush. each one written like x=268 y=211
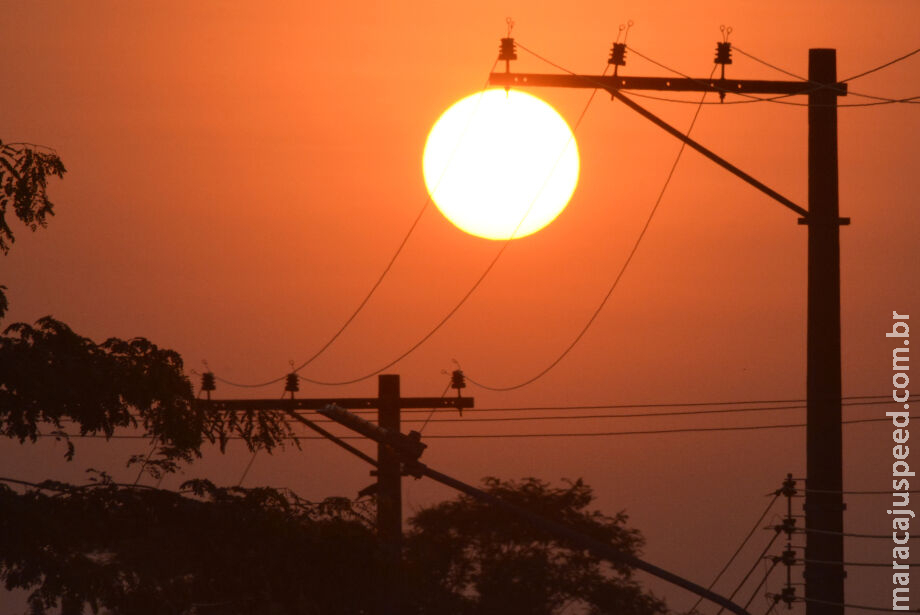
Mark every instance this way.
x=470 y=558
x=24 y=172
x=125 y=549
x=142 y=551
x=49 y=373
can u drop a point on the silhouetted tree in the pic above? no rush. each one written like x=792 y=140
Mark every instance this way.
x=143 y=551
x=49 y=374
x=24 y=172
x=130 y=550
x=467 y=557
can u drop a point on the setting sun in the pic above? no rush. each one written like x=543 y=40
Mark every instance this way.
x=501 y=165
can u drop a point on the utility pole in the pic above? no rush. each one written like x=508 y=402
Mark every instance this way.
x=408 y=447
x=389 y=492
x=824 y=507
x=388 y=489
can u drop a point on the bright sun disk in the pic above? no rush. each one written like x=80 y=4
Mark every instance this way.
x=501 y=164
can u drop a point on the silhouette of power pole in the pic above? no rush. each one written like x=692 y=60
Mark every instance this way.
x=389 y=463
x=824 y=506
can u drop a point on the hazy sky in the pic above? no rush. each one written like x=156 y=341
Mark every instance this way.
x=239 y=174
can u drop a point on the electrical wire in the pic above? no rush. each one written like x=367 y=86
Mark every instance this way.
x=773 y=99
x=759 y=585
x=523 y=435
x=828 y=491
x=472 y=289
x=753 y=568
x=619 y=275
x=738 y=550
x=881 y=66
x=801 y=530
x=846 y=606
x=772 y=606
x=153 y=447
x=575 y=417
x=376 y=284
x=431 y=413
x=776 y=99
x=857 y=564
x=611 y=406
x=252 y=460
x=805 y=79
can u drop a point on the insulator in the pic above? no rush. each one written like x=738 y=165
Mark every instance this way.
x=788 y=557
x=788 y=489
x=618 y=55
x=207 y=382
x=291 y=385
x=457 y=381
x=788 y=595
x=723 y=53
x=508 y=50
x=788 y=525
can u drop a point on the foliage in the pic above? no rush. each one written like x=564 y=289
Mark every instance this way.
x=51 y=375
x=470 y=558
x=24 y=172
x=142 y=551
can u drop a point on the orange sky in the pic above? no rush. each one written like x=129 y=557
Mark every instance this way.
x=238 y=176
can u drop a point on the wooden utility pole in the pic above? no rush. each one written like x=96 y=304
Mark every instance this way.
x=824 y=506
x=389 y=492
x=824 y=499
x=389 y=463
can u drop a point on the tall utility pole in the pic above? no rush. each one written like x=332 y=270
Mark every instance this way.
x=824 y=505
x=389 y=463
x=824 y=499
x=389 y=491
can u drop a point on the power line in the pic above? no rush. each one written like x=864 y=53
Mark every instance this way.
x=376 y=284
x=773 y=99
x=738 y=550
x=881 y=66
x=431 y=413
x=470 y=292
x=520 y=435
x=845 y=534
x=611 y=406
x=846 y=606
x=857 y=564
x=753 y=568
x=622 y=270
x=805 y=79
x=575 y=417
x=772 y=606
x=759 y=585
x=648 y=431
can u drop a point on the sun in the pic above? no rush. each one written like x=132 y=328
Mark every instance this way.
x=501 y=164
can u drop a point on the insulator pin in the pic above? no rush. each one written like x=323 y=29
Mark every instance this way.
x=723 y=53
x=508 y=50
x=207 y=382
x=457 y=381
x=292 y=385
x=618 y=55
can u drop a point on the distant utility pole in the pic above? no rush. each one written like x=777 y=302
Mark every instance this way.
x=389 y=472
x=824 y=506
